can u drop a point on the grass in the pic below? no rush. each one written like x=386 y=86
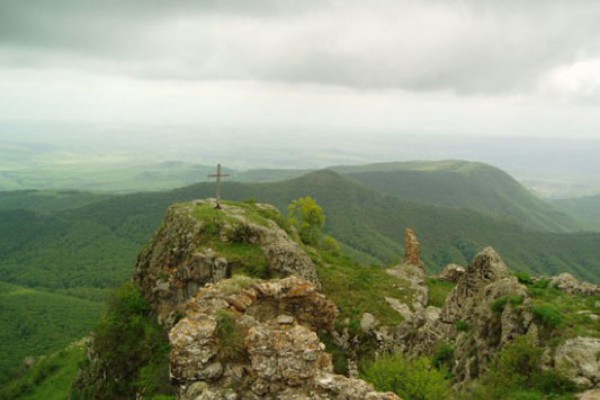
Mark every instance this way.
x=357 y=289
x=438 y=291
x=50 y=378
x=562 y=315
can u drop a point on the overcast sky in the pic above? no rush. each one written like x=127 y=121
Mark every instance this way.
x=483 y=67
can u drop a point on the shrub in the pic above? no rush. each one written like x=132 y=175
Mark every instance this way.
x=132 y=351
x=516 y=374
x=443 y=356
x=541 y=284
x=462 y=326
x=415 y=379
x=231 y=337
x=500 y=303
x=547 y=315
x=524 y=278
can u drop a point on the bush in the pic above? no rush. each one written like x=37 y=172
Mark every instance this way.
x=524 y=278
x=443 y=356
x=415 y=379
x=547 y=315
x=516 y=374
x=462 y=326
x=231 y=337
x=132 y=352
x=500 y=303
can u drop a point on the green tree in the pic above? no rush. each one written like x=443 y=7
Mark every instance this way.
x=308 y=218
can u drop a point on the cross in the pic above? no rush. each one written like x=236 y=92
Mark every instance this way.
x=218 y=175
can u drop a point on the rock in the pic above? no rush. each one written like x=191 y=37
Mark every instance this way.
x=451 y=273
x=401 y=308
x=280 y=355
x=368 y=322
x=571 y=285
x=412 y=248
x=589 y=395
x=467 y=320
x=181 y=259
x=578 y=359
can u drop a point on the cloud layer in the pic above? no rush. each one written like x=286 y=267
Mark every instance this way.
x=465 y=47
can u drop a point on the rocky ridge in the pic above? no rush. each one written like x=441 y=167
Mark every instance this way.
x=235 y=337
x=189 y=251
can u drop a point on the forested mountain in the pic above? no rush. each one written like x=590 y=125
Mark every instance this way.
x=466 y=184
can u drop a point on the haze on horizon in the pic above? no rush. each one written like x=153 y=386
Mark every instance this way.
x=335 y=80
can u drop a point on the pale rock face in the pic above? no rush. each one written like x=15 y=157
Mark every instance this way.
x=451 y=273
x=281 y=355
x=179 y=261
x=484 y=332
x=569 y=284
x=579 y=359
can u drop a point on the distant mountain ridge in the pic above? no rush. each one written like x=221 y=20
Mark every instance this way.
x=466 y=184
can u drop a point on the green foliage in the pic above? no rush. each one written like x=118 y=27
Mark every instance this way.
x=413 y=379
x=524 y=278
x=438 y=291
x=541 y=284
x=357 y=289
x=462 y=326
x=49 y=378
x=231 y=337
x=308 y=218
x=443 y=356
x=517 y=374
x=132 y=351
x=339 y=358
x=34 y=322
x=500 y=303
x=547 y=314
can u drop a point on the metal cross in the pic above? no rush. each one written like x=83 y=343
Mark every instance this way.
x=218 y=175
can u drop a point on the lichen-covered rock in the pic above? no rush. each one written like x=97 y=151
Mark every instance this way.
x=451 y=273
x=571 y=285
x=469 y=321
x=190 y=250
x=579 y=360
x=280 y=354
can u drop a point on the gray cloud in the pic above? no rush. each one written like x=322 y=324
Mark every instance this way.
x=465 y=47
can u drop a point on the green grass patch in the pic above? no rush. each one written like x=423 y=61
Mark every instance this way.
x=50 y=377
x=357 y=289
x=500 y=303
x=438 y=291
x=231 y=338
x=462 y=326
x=564 y=316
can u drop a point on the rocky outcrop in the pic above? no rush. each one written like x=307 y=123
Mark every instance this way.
x=579 y=360
x=192 y=249
x=471 y=318
x=451 y=273
x=412 y=248
x=250 y=339
x=571 y=285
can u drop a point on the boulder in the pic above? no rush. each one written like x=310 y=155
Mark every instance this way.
x=579 y=360
x=451 y=273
